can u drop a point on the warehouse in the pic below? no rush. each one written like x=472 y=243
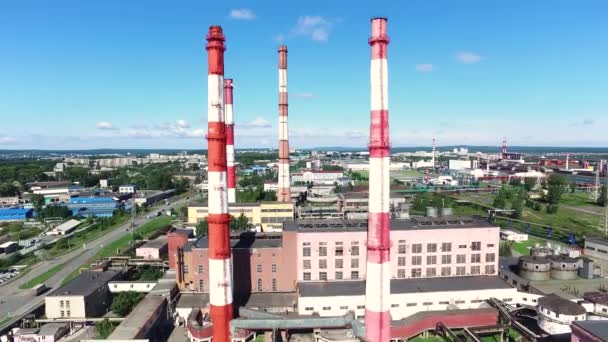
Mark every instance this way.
x=15 y=214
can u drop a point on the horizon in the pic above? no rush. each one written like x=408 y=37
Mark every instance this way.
x=75 y=81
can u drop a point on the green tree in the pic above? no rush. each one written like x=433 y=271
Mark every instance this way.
x=8 y=189
x=530 y=183
x=240 y=223
x=104 y=328
x=500 y=200
x=124 y=302
x=505 y=249
x=202 y=228
x=38 y=202
x=601 y=200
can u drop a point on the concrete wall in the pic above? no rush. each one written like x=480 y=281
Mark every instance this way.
x=54 y=305
x=596 y=250
x=489 y=238
x=135 y=286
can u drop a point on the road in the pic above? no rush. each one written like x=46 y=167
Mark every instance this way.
x=15 y=301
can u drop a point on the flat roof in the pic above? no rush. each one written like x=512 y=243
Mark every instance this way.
x=560 y=305
x=85 y=284
x=51 y=328
x=411 y=285
x=193 y=300
x=596 y=297
x=597 y=239
x=137 y=319
x=67 y=225
x=245 y=240
x=159 y=242
x=269 y=300
x=338 y=225
x=598 y=328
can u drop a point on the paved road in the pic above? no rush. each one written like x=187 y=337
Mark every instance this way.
x=15 y=301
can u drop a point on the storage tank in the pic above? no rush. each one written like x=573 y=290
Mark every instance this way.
x=534 y=268
x=446 y=211
x=431 y=212
x=564 y=267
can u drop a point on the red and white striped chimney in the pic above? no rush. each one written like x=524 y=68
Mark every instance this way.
x=377 y=285
x=230 y=139
x=220 y=266
x=433 y=161
x=504 y=148
x=284 y=193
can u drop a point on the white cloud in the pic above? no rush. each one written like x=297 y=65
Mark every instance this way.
x=105 y=125
x=242 y=14
x=258 y=122
x=178 y=129
x=468 y=57
x=7 y=140
x=304 y=95
x=315 y=27
x=425 y=67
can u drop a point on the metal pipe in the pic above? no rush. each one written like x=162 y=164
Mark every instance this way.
x=220 y=267
x=284 y=191
x=228 y=107
x=377 y=286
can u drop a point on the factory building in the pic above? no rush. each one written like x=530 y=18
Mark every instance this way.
x=596 y=247
x=154 y=249
x=555 y=314
x=15 y=214
x=86 y=296
x=9 y=201
x=92 y=206
x=591 y=330
x=267 y=216
x=317 y=176
x=127 y=189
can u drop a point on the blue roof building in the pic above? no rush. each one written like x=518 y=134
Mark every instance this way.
x=15 y=214
x=92 y=206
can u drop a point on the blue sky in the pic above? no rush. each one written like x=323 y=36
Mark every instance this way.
x=115 y=73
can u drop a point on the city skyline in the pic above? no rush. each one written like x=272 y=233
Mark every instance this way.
x=114 y=75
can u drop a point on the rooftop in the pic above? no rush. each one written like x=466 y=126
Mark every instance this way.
x=51 y=328
x=412 y=285
x=597 y=239
x=138 y=318
x=67 y=225
x=85 y=284
x=159 y=242
x=597 y=297
x=598 y=329
x=560 y=305
x=246 y=240
x=269 y=300
x=337 y=225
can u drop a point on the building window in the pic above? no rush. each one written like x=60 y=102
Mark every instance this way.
x=339 y=263
x=61 y=304
x=306 y=251
x=475 y=270
x=490 y=257
x=446 y=247
x=431 y=259
x=339 y=276
x=394 y=305
x=68 y=313
x=427 y=303
x=185 y=268
x=322 y=251
x=461 y=258
x=201 y=285
x=476 y=245
x=417 y=248
x=401 y=261
x=259 y=268
x=354 y=250
x=411 y=304
x=322 y=275
x=309 y=308
x=322 y=263
x=490 y=245
x=416 y=260
x=306 y=276
x=431 y=247
x=446 y=271
x=459 y=302
x=326 y=308
x=446 y=259
x=354 y=275
x=274 y=285
x=416 y=272
x=67 y=304
x=431 y=272
x=401 y=274
x=62 y=313
x=354 y=263
x=344 y=308
x=306 y=264
x=339 y=251
x=462 y=246
x=475 y=258
x=259 y=285
x=490 y=269
x=401 y=248
x=200 y=268
x=460 y=270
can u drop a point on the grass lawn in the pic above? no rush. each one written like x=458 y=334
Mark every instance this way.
x=78 y=239
x=407 y=173
x=5 y=320
x=523 y=247
x=42 y=278
x=578 y=199
x=119 y=245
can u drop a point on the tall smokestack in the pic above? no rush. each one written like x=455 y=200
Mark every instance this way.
x=220 y=267
x=377 y=285
x=504 y=148
x=433 y=160
x=284 y=194
x=229 y=139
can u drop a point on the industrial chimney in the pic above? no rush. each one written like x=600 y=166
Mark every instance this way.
x=220 y=267
x=433 y=157
x=230 y=139
x=284 y=193
x=377 y=285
